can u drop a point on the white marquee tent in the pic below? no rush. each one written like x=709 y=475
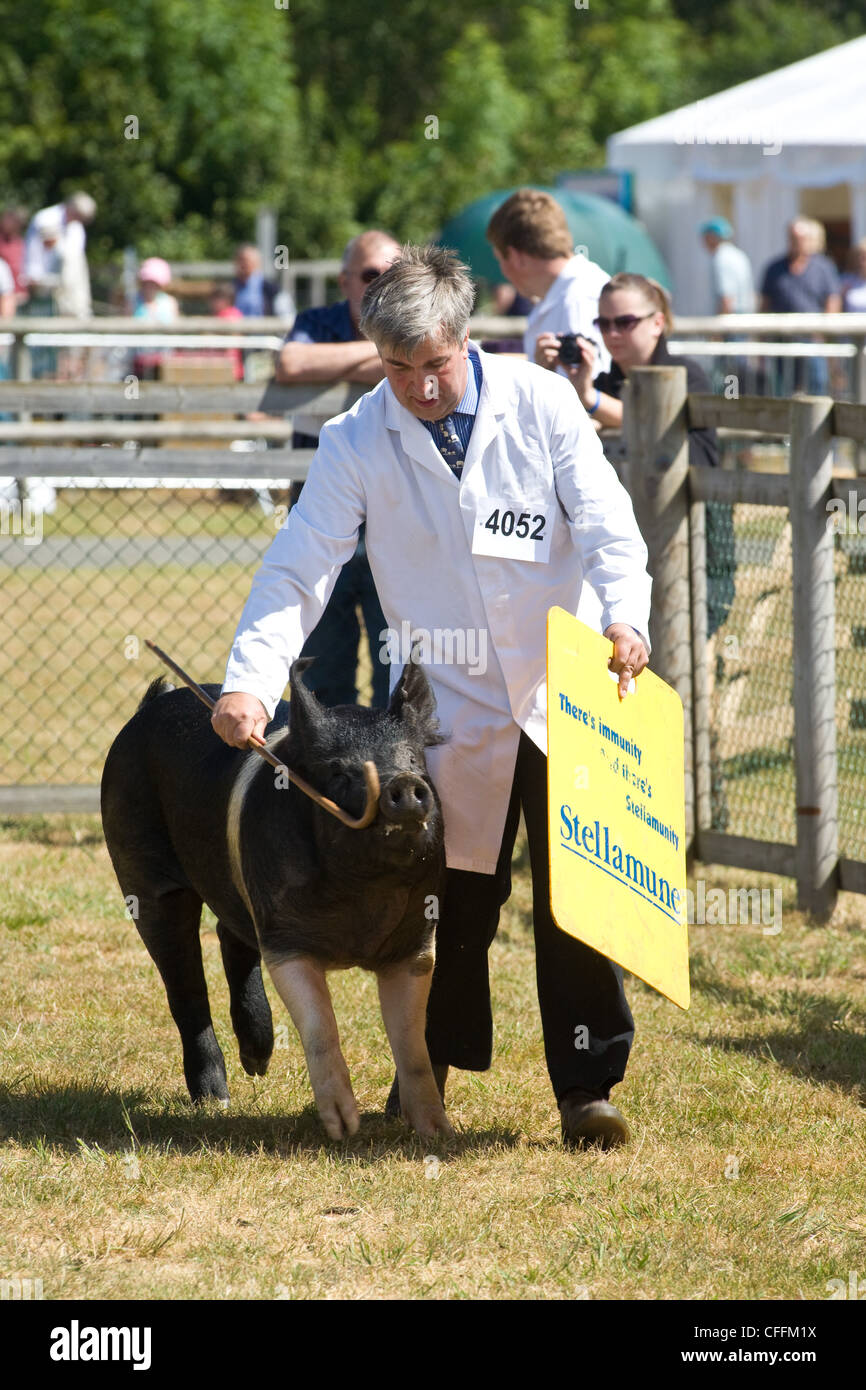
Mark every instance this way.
x=793 y=141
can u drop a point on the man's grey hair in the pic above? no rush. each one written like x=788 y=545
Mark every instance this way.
x=427 y=293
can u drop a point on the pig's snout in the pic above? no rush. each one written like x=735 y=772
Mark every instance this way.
x=406 y=798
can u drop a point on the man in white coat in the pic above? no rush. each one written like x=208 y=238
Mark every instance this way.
x=487 y=500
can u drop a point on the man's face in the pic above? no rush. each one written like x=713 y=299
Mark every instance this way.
x=365 y=264
x=712 y=242
x=799 y=240
x=432 y=381
x=512 y=265
x=246 y=263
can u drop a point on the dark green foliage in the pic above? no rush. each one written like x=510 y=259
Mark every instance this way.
x=323 y=110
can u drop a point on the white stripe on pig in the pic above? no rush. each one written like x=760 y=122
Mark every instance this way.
x=251 y=764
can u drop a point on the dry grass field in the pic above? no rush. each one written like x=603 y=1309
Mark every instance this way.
x=744 y=1178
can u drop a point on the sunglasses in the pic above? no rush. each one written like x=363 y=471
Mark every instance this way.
x=623 y=323
x=369 y=275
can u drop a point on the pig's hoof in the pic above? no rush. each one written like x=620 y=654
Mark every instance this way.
x=209 y=1090
x=339 y=1115
x=254 y=1066
x=432 y=1126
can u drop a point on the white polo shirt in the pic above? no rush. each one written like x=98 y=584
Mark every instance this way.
x=570 y=306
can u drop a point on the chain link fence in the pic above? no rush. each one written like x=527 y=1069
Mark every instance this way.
x=113 y=567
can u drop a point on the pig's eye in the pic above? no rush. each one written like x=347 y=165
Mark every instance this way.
x=339 y=779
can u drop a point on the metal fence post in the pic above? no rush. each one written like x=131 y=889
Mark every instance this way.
x=810 y=479
x=657 y=464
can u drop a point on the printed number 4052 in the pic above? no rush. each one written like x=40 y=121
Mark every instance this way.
x=506 y=522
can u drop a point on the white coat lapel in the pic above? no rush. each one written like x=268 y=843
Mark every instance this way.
x=492 y=405
x=415 y=440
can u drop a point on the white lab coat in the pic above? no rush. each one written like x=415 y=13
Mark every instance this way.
x=533 y=446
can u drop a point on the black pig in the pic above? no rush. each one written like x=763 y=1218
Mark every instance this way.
x=189 y=820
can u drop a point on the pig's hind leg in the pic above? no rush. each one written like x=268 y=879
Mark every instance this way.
x=250 y=1010
x=403 y=993
x=168 y=924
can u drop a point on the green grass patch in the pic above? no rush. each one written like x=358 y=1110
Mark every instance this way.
x=743 y=1180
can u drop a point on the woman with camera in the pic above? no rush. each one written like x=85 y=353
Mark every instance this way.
x=634 y=314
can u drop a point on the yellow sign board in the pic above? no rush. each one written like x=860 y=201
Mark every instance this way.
x=616 y=808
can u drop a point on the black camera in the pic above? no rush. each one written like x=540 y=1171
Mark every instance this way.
x=570 y=351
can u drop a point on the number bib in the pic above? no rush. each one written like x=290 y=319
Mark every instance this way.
x=512 y=531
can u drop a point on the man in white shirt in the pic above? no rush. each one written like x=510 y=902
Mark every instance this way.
x=732 y=285
x=60 y=232
x=532 y=242
x=452 y=439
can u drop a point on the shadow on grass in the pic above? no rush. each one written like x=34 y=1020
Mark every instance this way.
x=66 y=1117
x=818 y=1044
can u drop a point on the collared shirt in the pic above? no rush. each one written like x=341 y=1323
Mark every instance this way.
x=806 y=293
x=731 y=276
x=467 y=407
x=253 y=296
x=570 y=306
x=325 y=323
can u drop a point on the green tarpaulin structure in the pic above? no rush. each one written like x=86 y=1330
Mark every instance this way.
x=611 y=236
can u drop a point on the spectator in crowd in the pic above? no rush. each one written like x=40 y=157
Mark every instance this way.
x=153 y=305
x=532 y=242
x=222 y=306
x=326 y=345
x=853 y=284
x=55 y=260
x=509 y=304
x=804 y=281
x=8 y=299
x=153 y=302
x=12 y=248
x=732 y=286
x=254 y=296
x=634 y=315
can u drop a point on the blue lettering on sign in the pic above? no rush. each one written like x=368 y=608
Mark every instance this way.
x=581 y=715
x=602 y=852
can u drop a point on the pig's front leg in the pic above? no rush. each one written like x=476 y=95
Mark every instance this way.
x=303 y=988
x=403 y=992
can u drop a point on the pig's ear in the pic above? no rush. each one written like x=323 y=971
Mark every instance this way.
x=413 y=701
x=306 y=712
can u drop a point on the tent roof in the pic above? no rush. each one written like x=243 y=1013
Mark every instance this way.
x=818 y=101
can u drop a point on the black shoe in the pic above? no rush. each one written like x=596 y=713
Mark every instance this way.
x=392 y=1104
x=590 y=1119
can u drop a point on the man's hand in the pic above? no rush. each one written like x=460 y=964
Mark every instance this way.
x=236 y=716
x=630 y=656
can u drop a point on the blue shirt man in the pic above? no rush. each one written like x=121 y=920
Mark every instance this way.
x=325 y=345
x=804 y=282
x=254 y=295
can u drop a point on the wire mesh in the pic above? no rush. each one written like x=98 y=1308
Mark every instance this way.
x=112 y=568
x=750 y=670
x=850 y=576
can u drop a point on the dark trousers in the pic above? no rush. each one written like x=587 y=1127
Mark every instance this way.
x=577 y=987
x=334 y=640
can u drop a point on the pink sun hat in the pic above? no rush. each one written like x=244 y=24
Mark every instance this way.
x=156 y=270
